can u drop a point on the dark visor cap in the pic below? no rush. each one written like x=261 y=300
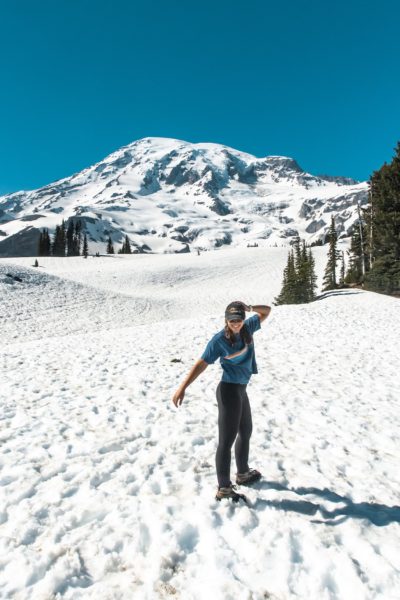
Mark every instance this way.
x=235 y=311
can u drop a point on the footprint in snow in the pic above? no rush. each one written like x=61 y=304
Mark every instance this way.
x=70 y=492
x=29 y=537
x=113 y=447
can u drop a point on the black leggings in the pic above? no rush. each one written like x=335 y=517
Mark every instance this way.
x=234 y=422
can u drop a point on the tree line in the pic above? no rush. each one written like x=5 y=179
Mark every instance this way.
x=67 y=240
x=382 y=224
x=374 y=255
x=70 y=240
x=299 y=278
x=373 y=259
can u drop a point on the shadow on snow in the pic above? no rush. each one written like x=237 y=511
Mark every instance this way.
x=377 y=514
x=329 y=294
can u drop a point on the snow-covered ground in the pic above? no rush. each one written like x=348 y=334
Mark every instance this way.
x=107 y=490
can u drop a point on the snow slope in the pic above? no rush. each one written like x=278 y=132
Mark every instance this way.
x=107 y=490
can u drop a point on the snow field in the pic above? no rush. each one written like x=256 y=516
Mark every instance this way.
x=107 y=491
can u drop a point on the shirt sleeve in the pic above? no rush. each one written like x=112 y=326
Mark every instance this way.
x=212 y=352
x=253 y=323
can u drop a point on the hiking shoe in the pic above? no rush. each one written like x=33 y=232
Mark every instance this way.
x=249 y=477
x=230 y=494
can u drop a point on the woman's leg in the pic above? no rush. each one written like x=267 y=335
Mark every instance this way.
x=243 y=439
x=229 y=412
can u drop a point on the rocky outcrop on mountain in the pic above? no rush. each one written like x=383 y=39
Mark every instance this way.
x=173 y=196
x=23 y=243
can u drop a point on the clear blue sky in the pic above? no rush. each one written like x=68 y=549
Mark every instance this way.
x=315 y=80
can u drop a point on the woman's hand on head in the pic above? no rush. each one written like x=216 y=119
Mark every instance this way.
x=178 y=397
x=245 y=306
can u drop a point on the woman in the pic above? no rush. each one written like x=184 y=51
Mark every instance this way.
x=234 y=346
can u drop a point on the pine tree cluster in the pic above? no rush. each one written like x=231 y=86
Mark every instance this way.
x=70 y=240
x=299 y=278
x=383 y=229
x=44 y=248
x=126 y=247
x=74 y=238
x=374 y=255
x=67 y=241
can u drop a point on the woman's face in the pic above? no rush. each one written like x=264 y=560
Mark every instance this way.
x=236 y=325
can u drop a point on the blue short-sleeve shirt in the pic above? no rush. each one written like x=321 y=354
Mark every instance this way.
x=238 y=361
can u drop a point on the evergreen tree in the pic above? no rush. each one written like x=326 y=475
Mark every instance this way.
x=70 y=238
x=281 y=298
x=40 y=244
x=128 y=249
x=384 y=276
x=44 y=245
x=357 y=255
x=312 y=276
x=58 y=247
x=292 y=285
x=55 y=241
x=297 y=252
x=329 y=281
x=342 y=271
x=289 y=283
x=110 y=247
x=302 y=270
x=383 y=221
x=77 y=239
x=85 y=250
x=63 y=238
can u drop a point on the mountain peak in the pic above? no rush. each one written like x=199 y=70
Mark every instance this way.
x=169 y=195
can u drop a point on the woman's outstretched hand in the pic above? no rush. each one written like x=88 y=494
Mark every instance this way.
x=178 y=397
x=198 y=367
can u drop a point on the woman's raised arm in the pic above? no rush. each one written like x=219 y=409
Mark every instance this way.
x=262 y=310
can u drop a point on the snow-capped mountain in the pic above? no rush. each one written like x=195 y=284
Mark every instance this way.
x=173 y=196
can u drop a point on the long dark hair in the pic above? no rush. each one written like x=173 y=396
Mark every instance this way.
x=245 y=335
